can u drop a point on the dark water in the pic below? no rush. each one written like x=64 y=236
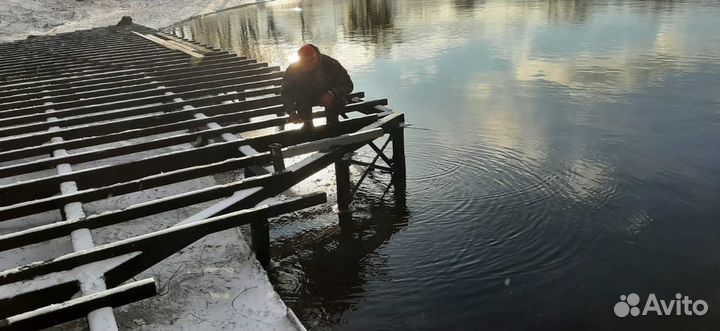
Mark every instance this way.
x=564 y=153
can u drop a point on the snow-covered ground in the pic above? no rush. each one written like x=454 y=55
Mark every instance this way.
x=20 y=18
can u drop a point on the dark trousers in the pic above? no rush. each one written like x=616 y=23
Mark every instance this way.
x=331 y=113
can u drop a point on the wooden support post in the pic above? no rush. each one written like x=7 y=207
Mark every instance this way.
x=278 y=160
x=260 y=231
x=342 y=175
x=398 y=157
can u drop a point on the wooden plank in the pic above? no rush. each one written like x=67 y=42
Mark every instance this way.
x=89 y=130
x=103 y=153
x=139 y=99
x=37 y=299
x=79 y=307
x=144 y=80
x=133 y=133
x=169 y=45
x=72 y=75
x=52 y=60
x=140 y=127
x=109 y=174
x=140 y=92
x=308 y=166
x=249 y=74
x=104 y=116
x=82 y=66
x=64 y=228
x=127 y=75
x=148 y=243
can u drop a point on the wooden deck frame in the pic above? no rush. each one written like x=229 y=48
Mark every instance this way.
x=109 y=85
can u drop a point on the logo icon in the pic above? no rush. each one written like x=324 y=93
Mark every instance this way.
x=627 y=305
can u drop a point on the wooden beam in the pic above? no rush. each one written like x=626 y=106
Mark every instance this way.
x=142 y=121
x=250 y=75
x=37 y=299
x=77 y=308
x=149 y=80
x=133 y=93
x=35 y=196
x=133 y=133
x=116 y=76
x=155 y=101
x=148 y=243
x=65 y=77
x=107 y=218
x=170 y=45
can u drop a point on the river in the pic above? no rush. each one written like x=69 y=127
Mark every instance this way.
x=562 y=154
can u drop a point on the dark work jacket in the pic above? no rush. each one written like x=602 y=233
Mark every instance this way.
x=304 y=89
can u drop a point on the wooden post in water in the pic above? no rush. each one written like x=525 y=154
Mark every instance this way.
x=342 y=175
x=398 y=157
x=260 y=231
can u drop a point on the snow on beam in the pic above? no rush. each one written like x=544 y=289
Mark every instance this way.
x=52 y=294
x=31 y=207
x=61 y=67
x=77 y=308
x=116 y=54
x=312 y=164
x=93 y=48
x=93 y=280
x=146 y=98
x=63 y=228
x=69 y=77
x=180 y=236
x=113 y=95
x=140 y=121
x=154 y=88
x=120 y=88
x=112 y=49
x=98 y=154
x=131 y=134
x=35 y=286
x=124 y=75
x=171 y=45
x=138 y=84
x=105 y=175
x=137 y=81
x=81 y=67
x=329 y=143
x=142 y=55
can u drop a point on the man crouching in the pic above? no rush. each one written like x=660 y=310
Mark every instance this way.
x=315 y=80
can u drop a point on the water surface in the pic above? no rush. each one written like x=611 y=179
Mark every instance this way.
x=564 y=153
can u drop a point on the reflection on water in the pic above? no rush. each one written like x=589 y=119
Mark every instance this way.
x=570 y=156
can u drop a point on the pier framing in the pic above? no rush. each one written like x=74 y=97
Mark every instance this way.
x=95 y=95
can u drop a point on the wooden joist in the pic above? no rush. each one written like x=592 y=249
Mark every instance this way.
x=106 y=175
x=136 y=80
x=147 y=244
x=141 y=91
x=99 y=72
x=253 y=74
x=125 y=75
x=80 y=307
